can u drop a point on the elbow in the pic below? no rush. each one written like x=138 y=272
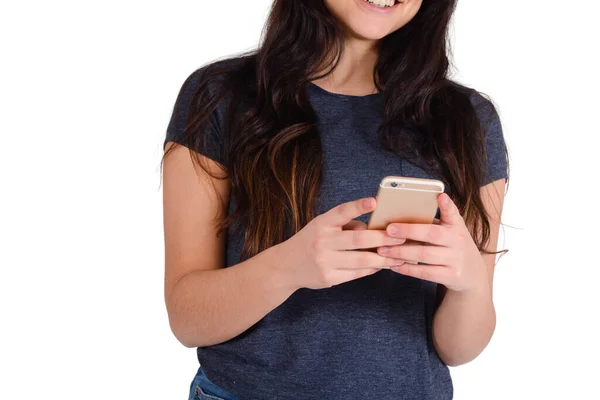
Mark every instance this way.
x=186 y=339
x=457 y=361
x=182 y=324
x=190 y=344
x=184 y=334
x=456 y=353
x=458 y=358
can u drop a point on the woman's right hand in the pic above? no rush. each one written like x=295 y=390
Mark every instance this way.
x=325 y=254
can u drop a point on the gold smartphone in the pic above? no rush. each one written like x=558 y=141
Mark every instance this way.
x=409 y=200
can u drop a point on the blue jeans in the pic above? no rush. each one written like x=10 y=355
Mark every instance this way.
x=203 y=389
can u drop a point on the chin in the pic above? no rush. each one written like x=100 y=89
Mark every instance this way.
x=369 y=22
x=370 y=32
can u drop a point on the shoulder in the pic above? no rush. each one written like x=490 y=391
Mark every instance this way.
x=491 y=128
x=484 y=106
x=210 y=90
x=199 y=116
x=216 y=76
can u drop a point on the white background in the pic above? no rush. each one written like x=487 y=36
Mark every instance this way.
x=86 y=90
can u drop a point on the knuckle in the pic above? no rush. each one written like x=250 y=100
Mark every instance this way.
x=457 y=274
x=358 y=239
x=390 y=261
x=398 y=252
x=323 y=276
x=434 y=234
x=461 y=236
x=455 y=259
x=318 y=223
x=318 y=243
x=321 y=261
x=424 y=252
x=315 y=242
x=363 y=260
x=327 y=279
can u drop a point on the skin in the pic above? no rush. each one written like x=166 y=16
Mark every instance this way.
x=363 y=29
x=465 y=321
x=208 y=304
x=364 y=25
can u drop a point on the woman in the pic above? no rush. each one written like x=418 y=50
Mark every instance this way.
x=287 y=146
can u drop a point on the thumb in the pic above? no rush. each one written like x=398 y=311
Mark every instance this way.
x=449 y=214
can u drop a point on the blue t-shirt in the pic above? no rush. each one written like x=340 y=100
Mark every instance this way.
x=369 y=338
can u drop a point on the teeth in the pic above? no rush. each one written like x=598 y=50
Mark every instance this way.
x=382 y=3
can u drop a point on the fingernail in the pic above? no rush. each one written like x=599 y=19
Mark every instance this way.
x=384 y=249
x=399 y=240
x=392 y=230
x=399 y=263
x=367 y=203
x=445 y=199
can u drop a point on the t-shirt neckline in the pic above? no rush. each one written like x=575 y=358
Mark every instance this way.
x=319 y=90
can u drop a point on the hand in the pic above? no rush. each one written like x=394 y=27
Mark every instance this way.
x=453 y=258
x=327 y=251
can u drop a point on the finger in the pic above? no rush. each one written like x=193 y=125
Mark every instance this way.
x=355 y=225
x=428 y=233
x=346 y=212
x=418 y=253
x=357 y=273
x=354 y=259
x=367 y=239
x=449 y=214
x=432 y=273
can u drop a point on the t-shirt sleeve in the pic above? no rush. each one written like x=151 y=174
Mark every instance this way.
x=496 y=157
x=207 y=141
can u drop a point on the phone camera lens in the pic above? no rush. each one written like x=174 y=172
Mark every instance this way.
x=394 y=184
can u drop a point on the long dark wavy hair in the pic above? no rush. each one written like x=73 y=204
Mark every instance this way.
x=272 y=147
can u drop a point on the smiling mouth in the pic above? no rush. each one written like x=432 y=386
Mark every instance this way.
x=382 y=3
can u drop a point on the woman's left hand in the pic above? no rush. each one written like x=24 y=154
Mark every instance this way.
x=448 y=248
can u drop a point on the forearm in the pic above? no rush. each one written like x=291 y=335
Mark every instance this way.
x=211 y=307
x=463 y=325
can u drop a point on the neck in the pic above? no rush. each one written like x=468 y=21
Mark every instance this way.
x=353 y=74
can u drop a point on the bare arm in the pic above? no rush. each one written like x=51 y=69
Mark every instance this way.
x=207 y=307
x=206 y=303
x=465 y=321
